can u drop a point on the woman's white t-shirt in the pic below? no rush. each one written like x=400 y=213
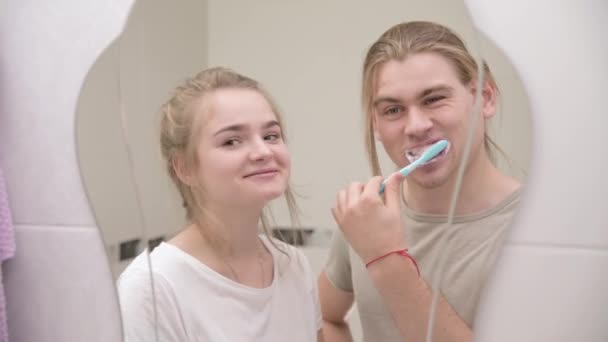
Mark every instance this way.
x=195 y=303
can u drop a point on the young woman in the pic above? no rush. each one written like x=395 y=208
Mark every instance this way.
x=219 y=279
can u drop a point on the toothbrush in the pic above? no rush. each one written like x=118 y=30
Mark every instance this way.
x=427 y=155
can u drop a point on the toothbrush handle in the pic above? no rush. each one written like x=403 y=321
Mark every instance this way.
x=382 y=186
x=405 y=171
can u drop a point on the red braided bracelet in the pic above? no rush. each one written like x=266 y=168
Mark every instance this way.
x=402 y=252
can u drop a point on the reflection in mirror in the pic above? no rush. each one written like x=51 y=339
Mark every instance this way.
x=103 y=161
x=314 y=72
x=133 y=76
x=135 y=204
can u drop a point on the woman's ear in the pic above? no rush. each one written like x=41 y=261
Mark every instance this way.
x=182 y=171
x=375 y=128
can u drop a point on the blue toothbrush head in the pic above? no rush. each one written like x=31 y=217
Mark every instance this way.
x=426 y=156
x=432 y=151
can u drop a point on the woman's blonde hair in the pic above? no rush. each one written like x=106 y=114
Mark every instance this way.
x=405 y=39
x=179 y=132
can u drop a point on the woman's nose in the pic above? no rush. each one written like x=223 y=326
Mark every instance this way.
x=260 y=150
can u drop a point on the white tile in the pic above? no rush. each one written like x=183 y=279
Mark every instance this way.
x=565 y=197
x=59 y=287
x=47 y=51
x=546 y=294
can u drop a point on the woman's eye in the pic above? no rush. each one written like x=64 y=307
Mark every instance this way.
x=231 y=142
x=272 y=137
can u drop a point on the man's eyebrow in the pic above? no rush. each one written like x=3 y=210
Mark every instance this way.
x=420 y=95
x=434 y=89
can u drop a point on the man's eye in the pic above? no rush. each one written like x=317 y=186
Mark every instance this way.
x=392 y=111
x=434 y=99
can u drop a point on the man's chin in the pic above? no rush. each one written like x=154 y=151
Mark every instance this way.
x=429 y=182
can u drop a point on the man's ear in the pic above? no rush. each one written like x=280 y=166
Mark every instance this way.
x=488 y=97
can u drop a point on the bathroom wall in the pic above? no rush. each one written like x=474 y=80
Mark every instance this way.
x=59 y=285
x=48 y=62
x=549 y=282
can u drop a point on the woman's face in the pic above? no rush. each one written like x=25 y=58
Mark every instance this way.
x=243 y=159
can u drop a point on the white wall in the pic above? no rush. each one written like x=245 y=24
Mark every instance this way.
x=549 y=284
x=58 y=285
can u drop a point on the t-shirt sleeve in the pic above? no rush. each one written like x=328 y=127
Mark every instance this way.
x=137 y=303
x=337 y=267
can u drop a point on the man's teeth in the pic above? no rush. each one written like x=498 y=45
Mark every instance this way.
x=411 y=156
x=415 y=153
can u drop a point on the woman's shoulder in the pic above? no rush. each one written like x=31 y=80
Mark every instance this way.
x=137 y=268
x=145 y=266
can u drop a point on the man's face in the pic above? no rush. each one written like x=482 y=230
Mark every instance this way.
x=419 y=101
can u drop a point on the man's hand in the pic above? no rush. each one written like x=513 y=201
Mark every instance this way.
x=371 y=225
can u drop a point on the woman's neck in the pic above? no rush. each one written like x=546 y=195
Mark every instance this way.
x=235 y=229
x=229 y=244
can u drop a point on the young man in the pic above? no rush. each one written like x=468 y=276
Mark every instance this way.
x=419 y=86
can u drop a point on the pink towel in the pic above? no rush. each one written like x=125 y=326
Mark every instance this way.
x=7 y=250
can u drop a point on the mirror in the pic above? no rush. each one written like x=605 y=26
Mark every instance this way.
x=510 y=133
x=311 y=65
x=133 y=198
